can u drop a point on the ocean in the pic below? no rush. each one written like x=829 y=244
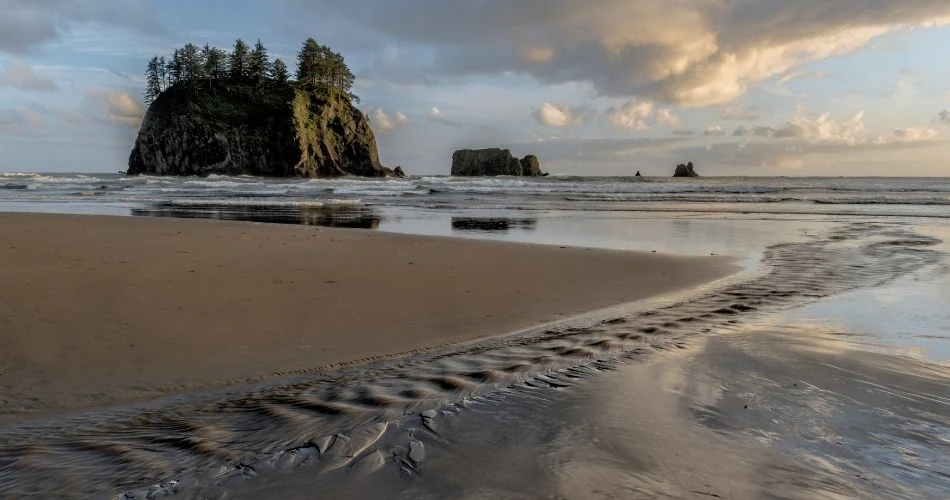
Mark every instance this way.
x=820 y=370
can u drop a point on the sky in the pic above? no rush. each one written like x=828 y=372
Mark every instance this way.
x=593 y=87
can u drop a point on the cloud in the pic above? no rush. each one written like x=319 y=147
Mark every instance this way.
x=811 y=126
x=801 y=75
x=385 y=123
x=714 y=131
x=914 y=134
x=740 y=112
x=666 y=117
x=641 y=115
x=115 y=107
x=631 y=115
x=760 y=131
x=21 y=121
x=559 y=115
x=804 y=157
x=437 y=115
x=26 y=24
x=20 y=75
x=69 y=116
x=690 y=53
x=598 y=149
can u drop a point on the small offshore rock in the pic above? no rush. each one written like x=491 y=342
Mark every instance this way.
x=686 y=170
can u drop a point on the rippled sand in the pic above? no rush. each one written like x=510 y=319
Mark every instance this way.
x=102 y=310
x=577 y=408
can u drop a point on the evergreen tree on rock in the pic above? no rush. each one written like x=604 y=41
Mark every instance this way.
x=259 y=65
x=153 y=80
x=239 y=62
x=278 y=72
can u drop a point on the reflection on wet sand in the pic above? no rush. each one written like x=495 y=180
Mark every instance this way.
x=492 y=224
x=345 y=216
x=707 y=397
x=755 y=411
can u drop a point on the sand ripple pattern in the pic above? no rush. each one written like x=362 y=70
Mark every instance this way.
x=356 y=420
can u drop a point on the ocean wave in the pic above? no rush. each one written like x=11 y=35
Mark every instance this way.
x=203 y=203
x=554 y=192
x=885 y=201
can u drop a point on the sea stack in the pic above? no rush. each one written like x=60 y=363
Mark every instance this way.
x=493 y=162
x=238 y=113
x=233 y=129
x=685 y=170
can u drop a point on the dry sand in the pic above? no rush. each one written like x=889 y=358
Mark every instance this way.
x=98 y=310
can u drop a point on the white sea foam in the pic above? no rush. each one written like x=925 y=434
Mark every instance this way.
x=555 y=192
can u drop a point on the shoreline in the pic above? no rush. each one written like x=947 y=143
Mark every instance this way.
x=100 y=310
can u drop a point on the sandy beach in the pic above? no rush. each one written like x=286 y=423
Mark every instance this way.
x=99 y=310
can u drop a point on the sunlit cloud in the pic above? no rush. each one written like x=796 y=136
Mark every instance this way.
x=559 y=115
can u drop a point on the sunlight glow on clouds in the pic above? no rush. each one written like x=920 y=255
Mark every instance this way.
x=912 y=134
x=111 y=107
x=738 y=86
x=558 y=115
x=632 y=115
x=385 y=123
x=687 y=52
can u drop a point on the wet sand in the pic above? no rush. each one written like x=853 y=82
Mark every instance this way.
x=741 y=390
x=762 y=411
x=99 y=310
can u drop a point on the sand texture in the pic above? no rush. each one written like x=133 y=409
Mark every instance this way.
x=98 y=310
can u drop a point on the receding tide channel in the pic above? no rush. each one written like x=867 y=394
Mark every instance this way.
x=402 y=421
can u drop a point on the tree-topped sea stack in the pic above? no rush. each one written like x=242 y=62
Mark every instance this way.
x=213 y=112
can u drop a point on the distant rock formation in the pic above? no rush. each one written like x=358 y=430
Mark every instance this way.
x=638 y=174
x=238 y=129
x=685 y=170
x=493 y=162
x=530 y=166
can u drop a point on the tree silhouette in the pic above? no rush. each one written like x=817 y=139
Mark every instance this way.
x=192 y=65
x=239 y=61
x=278 y=72
x=258 y=66
x=153 y=80
x=309 y=64
x=176 y=67
x=320 y=70
x=215 y=62
x=163 y=73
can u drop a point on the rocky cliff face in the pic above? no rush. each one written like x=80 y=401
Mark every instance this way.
x=243 y=130
x=493 y=162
